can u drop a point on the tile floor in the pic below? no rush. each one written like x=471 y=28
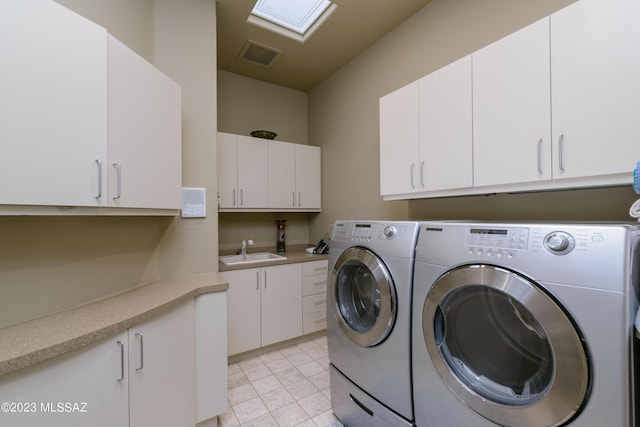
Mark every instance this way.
x=288 y=387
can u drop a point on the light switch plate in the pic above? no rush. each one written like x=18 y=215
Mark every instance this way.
x=194 y=202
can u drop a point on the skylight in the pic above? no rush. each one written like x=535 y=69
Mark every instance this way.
x=296 y=19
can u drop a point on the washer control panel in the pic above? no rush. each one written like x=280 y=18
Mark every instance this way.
x=367 y=231
x=496 y=242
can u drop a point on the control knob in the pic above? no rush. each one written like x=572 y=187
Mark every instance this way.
x=559 y=242
x=389 y=231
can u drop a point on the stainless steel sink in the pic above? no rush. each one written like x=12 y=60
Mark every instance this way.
x=250 y=258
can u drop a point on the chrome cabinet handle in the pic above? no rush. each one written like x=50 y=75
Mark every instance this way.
x=265 y=280
x=320 y=320
x=99 y=164
x=293 y=199
x=241 y=197
x=412 y=172
x=320 y=268
x=234 y=197
x=319 y=302
x=324 y=282
x=299 y=199
x=540 y=156
x=121 y=344
x=561 y=152
x=139 y=335
x=422 y=164
x=257 y=281
x=118 y=167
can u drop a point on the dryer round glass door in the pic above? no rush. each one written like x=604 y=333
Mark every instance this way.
x=363 y=297
x=505 y=347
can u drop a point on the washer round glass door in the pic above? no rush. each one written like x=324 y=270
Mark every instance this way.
x=363 y=296
x=504 y=347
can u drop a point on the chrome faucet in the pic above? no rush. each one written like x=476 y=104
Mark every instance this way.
x=245 y=243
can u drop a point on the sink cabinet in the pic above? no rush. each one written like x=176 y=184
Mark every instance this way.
x=141 y=377
x=265 y=306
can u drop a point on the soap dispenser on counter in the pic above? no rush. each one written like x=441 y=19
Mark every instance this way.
x=280 y=235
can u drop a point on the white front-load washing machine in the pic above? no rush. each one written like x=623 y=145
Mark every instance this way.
x=369 y=320
x=525 y=325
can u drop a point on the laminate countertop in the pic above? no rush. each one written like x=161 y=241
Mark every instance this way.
x=27 y=343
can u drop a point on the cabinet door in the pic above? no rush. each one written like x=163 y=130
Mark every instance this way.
x=211 y=355
x=308 y=177
x=282 y=175
x=399 y=142
x=595 y=66
x=281 y=303
x=227 y=170
x=446 y=155
x=243 y=312
x=253 y=185
x=511 y=108
x=145 y=151
x=86 y=387
x=53 y=105
x=162 y=370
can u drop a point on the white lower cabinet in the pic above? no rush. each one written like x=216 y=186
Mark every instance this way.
x=162 y=370
x=87 y=387
x=141 y=377
x=314 y=296
x=264 y=306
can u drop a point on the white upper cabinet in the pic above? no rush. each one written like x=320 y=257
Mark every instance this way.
x=53 y=106
x=595 y=78
x=87 y=122
x=308 y=177
x=399 y=140
x=282 y=175
x=144 y=153
x=446 y=143
x=253 y=173
x=426 y=133
x=261 y=175
x=512 y=108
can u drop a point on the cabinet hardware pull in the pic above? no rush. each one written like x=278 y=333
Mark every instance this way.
x=540 y=156
x=139 y=368
x=320 y=301
x=265 y=280
x=299 y=199
x=320 y=320
x=235 y=200
x=118 y=167
x=293 y=199
x=561 y=152
x=412 y=172
x=324 y=282
x=241 y=197
x=422 y=164
x=257 y=281
x=121 y=344
x=99 y=164
x=320 y=268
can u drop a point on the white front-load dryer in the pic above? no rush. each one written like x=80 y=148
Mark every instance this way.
x=524 y=325
x=369 y=321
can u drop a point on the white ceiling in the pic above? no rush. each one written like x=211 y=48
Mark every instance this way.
x=354 y=26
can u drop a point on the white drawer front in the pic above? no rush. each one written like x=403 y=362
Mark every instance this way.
x=314 y=304
x=315 y=267
x=314 y=284
x=314 y=322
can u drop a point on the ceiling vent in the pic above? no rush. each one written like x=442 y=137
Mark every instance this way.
x=259 y=53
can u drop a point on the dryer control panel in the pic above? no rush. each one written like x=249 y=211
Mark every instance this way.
x=498 y=238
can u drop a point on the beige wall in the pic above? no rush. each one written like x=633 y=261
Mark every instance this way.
x=49 y=264
x=343 y=120
x=244 y=105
